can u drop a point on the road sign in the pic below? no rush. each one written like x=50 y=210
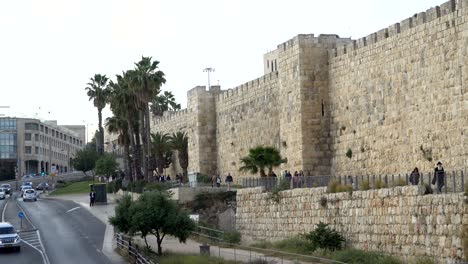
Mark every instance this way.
x=20 y=214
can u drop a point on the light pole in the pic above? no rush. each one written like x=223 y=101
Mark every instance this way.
x=86 y=131
x=208 y=70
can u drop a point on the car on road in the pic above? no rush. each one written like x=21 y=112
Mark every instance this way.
x=2 y=194
x=9 y=238
x=29 y=195
x=7 y=188
x=42 y=186
x=24 y=188
x=27 y=177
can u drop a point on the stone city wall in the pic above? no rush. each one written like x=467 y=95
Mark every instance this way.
x=399 y=221
x=399 y=97
x=246 y=116
x=171 y=122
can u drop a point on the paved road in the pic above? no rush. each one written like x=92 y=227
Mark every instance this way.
x=68 y=236
x=28 y=254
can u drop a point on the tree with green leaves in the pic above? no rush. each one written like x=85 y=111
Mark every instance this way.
x=146 y=81
x=164 y=102
x=118 y=125
x=85 y=159
x=154 y=213
x=123 y=215
x=161 y=151
x=261 y=158
x=123 y=103
x=179 y=142
x=97 y=92
x=106 y=165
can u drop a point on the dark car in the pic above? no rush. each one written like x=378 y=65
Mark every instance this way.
x=6 y=187
x=42 y=186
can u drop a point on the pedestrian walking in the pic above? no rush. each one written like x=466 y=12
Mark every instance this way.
x=439 y=177
x=92 y=197
x=229 y=181
x=414 y=176
x=218 y=181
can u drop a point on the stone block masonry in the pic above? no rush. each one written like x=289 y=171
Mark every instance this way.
x=400 y=221
x=393 y=100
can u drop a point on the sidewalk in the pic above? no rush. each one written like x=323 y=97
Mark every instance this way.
x=103 y=212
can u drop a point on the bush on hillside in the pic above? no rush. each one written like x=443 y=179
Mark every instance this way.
x=337 y=187
x=325 y=238
x=355 y=256
x=232 y=237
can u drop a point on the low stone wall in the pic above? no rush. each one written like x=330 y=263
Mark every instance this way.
x=399 y=221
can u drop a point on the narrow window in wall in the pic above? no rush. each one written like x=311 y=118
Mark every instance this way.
x=323 y=108
x=276 y=68
x=268 y=64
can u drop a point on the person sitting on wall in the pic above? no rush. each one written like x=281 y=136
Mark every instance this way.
x=414 y=177
x=439 y=177
x=218 y=181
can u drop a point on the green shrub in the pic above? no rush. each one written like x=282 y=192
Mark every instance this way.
x=137 y=186
x=325 y=238
x=379 y=184
x=365 y=185
x=156 y=186
x=203 y=178
x=349 y=153
x=282 y=186
x=296 y=244
x=262 y=244
x=232 y=237
x=336 y=187
x=423 y=260
x=355 y=256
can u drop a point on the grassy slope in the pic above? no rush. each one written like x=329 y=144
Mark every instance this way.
x=77 y=187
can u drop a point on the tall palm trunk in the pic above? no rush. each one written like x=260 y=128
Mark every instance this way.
x=137 y=151
x=148 y=136
x=144 y=140
x=132 y=165
x=100 y=139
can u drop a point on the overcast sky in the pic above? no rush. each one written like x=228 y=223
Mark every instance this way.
x=50 y=48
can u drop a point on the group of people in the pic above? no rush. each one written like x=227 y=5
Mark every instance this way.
x=216 y=181
x=438 y=178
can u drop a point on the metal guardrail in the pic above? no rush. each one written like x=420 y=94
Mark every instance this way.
x=125 y=243
x=453 y=181
x=248 y=254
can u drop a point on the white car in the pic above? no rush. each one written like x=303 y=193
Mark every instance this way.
x=24 y=188
x=30 y=194
x=2 y=194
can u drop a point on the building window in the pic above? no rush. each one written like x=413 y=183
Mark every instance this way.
x=7 y=124
x=36 y=137
x=37 y=150
x=27 y=149
x=27 y=137
x=42 y=128
x=31 y=126
x=47 y=130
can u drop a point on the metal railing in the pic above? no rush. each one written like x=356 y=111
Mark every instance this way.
x=125 y=243
x=449 y=182
x=247 y=254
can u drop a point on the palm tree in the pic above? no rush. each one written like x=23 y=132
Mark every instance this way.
x=179 y=142
x=146 y=83
x=97 y=92
x=164 y=102
x=261 y=158
x=123 y=103
x=161 y=151
x=118 y=125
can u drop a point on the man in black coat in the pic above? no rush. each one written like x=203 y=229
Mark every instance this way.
x=439 y=177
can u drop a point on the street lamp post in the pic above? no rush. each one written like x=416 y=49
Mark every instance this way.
x=208 y=70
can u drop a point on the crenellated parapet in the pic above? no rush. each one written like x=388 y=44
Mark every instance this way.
x=452 y=7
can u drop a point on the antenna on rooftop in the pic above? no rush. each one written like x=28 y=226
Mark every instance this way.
x=208 y=70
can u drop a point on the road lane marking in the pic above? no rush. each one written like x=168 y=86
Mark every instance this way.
x=3 y=213
x=44 y=257
x=73 y=209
